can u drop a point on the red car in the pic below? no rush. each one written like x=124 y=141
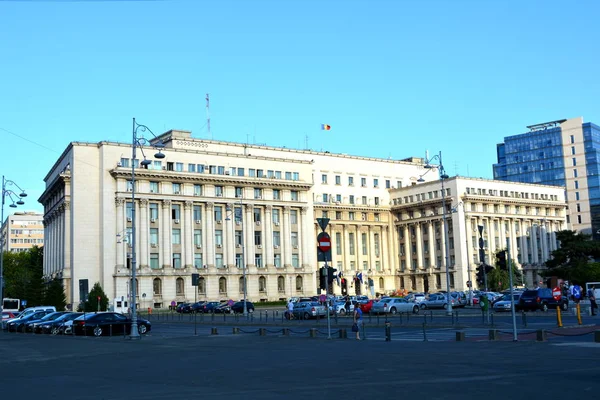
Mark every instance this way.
x=6 y=315
x=366 y=307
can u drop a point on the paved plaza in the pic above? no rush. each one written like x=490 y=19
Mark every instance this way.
x=275 y=367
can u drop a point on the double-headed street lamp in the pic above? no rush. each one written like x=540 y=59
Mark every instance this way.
x=229 y=212
x=16 y=200
x=141 y=141
x=443 y=176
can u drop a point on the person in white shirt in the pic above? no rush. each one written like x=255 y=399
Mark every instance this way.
x=290 y=308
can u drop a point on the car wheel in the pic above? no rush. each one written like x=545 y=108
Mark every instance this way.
x=306 y=315
x=142 y=329
x=564 y=306
x=54 y=331
x=393 y=310
x=97 y=331
x=445 y=306
x=544 y=307
x=423 y=306
x=415 y=309
x=342 y=312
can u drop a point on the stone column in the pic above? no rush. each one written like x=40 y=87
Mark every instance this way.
x=419 y=240
x=286 y=240
x=407 y=247
x=359 y=254
x=431 y=236
x=346 y=252
x=513 y=239
x=228 y=236
x=144 y=233
x=469 y=243
x=187 y=241
x=305 y=244
x=534 y=245
x=492 y=236
x=384 y=249
x=209 y=237
x=268 y=228
x=166 y=233
x=248 y=225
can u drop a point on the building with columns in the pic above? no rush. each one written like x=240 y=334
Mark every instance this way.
x=527 y=215
x=211 y=207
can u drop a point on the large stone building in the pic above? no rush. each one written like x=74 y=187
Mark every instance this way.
x=211 y=207
x=22 y=231
x=527 y=215
x=564 y=153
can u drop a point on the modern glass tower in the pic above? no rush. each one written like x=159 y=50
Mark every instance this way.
x=564 y=153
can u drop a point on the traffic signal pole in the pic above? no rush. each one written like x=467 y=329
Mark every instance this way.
x=327 y=299
x=512 y=296
x=324 y=245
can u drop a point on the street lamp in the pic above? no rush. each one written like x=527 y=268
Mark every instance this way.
x=229 y=212
x=141 y=141
x=443 y=176
x=16 y=200
x=124 y=237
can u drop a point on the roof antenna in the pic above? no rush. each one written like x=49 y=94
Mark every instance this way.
x=208 y=115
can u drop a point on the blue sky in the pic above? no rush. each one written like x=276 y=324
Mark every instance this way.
x=393 y=78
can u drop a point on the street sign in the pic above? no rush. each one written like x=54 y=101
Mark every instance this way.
x=556 y=293
x=324 y=242
x=195 y=279
x=323 y=222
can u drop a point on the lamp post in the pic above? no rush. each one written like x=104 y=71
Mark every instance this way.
x=124 y=237
x=19 y=202
x=141 y=141
x=443 y=176
x=229 y=212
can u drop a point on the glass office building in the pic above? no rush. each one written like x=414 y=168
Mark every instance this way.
x=560 y=153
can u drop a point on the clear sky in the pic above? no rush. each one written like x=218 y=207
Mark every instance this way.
x=393 y=78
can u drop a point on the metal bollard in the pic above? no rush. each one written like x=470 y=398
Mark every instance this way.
x=213 y=331
x=313 y=332
x=430 y=316
x=493 y=334
x=262 y=332
x=579 y=315
x=424 y=332
x=597 y=336
x=236 y=331
x=524 y=318
x=460 y=336
x=286 y=332
x=344 y=333
x=492 y=317
x=388 y=332
x=540 y=335
x=558 y=317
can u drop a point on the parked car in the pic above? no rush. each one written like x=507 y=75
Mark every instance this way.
x=6 y=315
x=367 y=307
x=435 y=300
x=209 y=307
x=394 y=305
x=18 y=324
x=182 y=307
x=460 y=299
x=309 y=309
x=197 y=307
x=504 y=304
x=541 y=299
x=107 y=323
x=415 y=297
x=238 y=307
x=32 y=324
x=53 y=327
x=222 y=308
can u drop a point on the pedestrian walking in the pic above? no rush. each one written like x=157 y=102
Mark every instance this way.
x=357 y=322
x=290 y=309
x=592 y=296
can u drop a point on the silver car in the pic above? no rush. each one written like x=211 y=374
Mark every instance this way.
x=394 y=305
x=436 y=300
x=309 y=309
x=504 y=303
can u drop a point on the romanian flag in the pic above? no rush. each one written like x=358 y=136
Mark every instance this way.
x=325 y=127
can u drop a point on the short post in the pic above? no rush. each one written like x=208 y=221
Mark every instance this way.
x=424 y=333
x=313 y=332
x=213 y=331
x=236 y=330
x=388 y=332
x=579 y=315
x=343 y=333
x=597 y=336
x=286 y=332
x=460 y=336
x=492 y=318
x=262 y=332
x=540 y=335
x=524 y=318
x=493 y=334
x=558 y=317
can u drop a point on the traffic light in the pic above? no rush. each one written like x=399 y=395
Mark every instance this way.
x=480 y=277
x=322 y=278
x=501 y=257
x=344 y=287
x=331 y=275
x=488 y=268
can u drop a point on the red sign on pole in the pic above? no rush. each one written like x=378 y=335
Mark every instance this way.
x=99 y=298
x=324 y=242
x=556 y=293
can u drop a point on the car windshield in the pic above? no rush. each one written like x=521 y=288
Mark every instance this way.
x=51 y=316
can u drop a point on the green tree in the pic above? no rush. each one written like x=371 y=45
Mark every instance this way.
x=575 y=259
x=23 y=274
x=498 y=279
x=55 y=295
x=92 y=304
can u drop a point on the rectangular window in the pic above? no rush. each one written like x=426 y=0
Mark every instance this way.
x=258 y=260
x=239 y=261
x=388 y=184
x=218 y=237
x=324 y=214
x=219 y=264
x=574 y=161
x=257 y=193
x=324 y=178
x=257 y=238
x=338 y=215
x=176 y=260
x=338 y=180
x=252 y=172
x=154 y=236
x=364 y=243
x=351 y=199
x=176 y=188
x=364 y=200
x=240 y=172
x=270 y=174
x=128 y=211
x=198 y=237
x=350 y=181
x=363 y=182
x=175 y=211
x=197 y=190
x=153 y=187
x=375 y=182
x=338 y=243
x=260 y=173
x=294 y=217
x=573 y=150
x=276 y=238
x=277 y=260
x=577 y=196
x=295 y=260
x=294 y=195
x=124 y=162
x=176 y=236
x=275 y=216
x=154 y=211
x=239 y=191
x=295 y=176
x=351 y=215
x=572 y=139
x=197 y=213
x=239 y=238
x=575 y=173
x=351 y=243
x=221 y=170
x=576 y=184
x=376 y=201
x=197 y=260
x=191 y=167
x=218 y=211
x=179 y=167
x=256 y=215
x=338 y=198
x=219 y=191
x=325 y=198
x=376 y=244
x=276 y=194
x=294 y=238
x=157 y=165
x=277 y=174
x=288 y=176
x=154 y=261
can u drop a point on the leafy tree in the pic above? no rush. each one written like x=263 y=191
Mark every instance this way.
x=55 y=295
x=23 y=274
x=575 y=259
x=498 y=279
x=91 y=304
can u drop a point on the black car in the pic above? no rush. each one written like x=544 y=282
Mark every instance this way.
x=18 y=325
x=222 y=308
x=53 y=327
x=181 y=308
x=197 y=307
x=210 y=306
x=541 y=299
x=238 y=308
x=106 y=324
x=31 y=325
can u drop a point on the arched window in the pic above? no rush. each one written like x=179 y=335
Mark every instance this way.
x=280 y=284
x=262 y=284
x=298 y=283
x=381 y=283
x=202 y=286
x=157 y=286
x=179 y=287
x=241 y=284
x=222 y=285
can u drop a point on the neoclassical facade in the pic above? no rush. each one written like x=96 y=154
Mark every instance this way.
x=212 y=207
x=522 y=217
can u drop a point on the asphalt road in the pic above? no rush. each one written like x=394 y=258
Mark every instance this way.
x=275 y=367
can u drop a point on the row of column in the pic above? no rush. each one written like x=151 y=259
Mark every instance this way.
x=431 y=250
x=208 y=227
x=359 y=258
x=56 y=238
